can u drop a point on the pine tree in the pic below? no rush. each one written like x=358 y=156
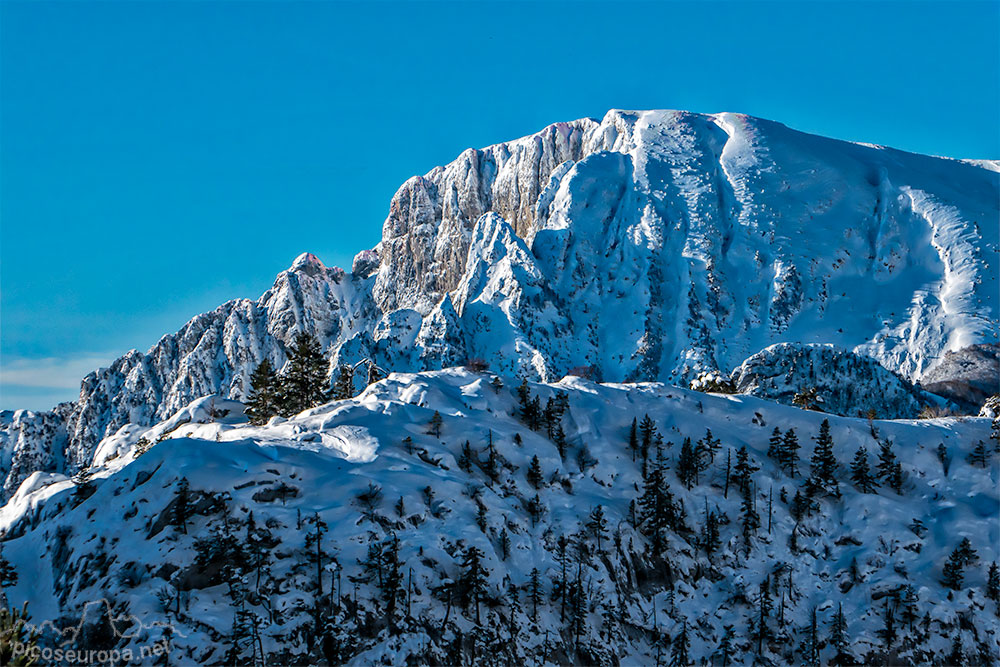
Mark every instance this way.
x=264 y=399
x=481 y=518
x=659 y=512
x=559 y=438
x=707 y=448
x=840 y=639
x=687 y=466
x=886 y=461
x=465 y=458
x=956 y=656
x=524 y=402
x=810 y=643
x=534 y=474
x=993 y=583
x=861 y=474
x=774 y=446
x=897 y=478
x=764 y=604
x=680 y=647
x=314 y=545
x=343 y=387
x=944 y=458
x=473 y=580
x=823 y=468
x=888 y=630
x=743 y=470
x=535 y=593
x=85 y=486
x=749 y=519
x=952 y=571
x=980 y=456
x=966 y=552
x=726 y=648
x=710 y=538
x=790 y=452
x=304 y=382
x=597 y=525
x=633 y=438
x=392 y=581
x=504 y=544
x=434 y=425
x=181 y=505
x=8 y=577
x=647 y=429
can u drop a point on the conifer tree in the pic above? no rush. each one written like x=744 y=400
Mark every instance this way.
x=534 y=474
x=474 y=579
x=659 y=511
x=504 y=544
x=993 y=583
x=434 y=425
x=597 y=525
x=726 y=648
x=810 y=643
x=774 y=448
x=952 y=571
x=314 y=545
x=559 y=438
x=956 y=656
x=706 y=450
x=8 y=577
x=680 y=647
x=264 y=399
x=966 y=552
x=790 y=452
x=343 y=386
x=897 y=478
x=839 y=639
x=534 y=592
x=943 y=457
x=687 y=466
x=633 y=438
x=749 y=519
x=886 y=460
x=980 y=456
x=823 y=467
x=861 y=474
x=465 y=458
x=647 y=429
x=304 y=382
x=743 y=470
x=182 y=505
x=764 y=605
x=710 y=539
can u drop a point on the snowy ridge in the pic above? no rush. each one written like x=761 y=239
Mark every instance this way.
x=647 y=246
x=857 y=552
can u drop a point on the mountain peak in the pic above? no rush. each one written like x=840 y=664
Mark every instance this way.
x=307 y=263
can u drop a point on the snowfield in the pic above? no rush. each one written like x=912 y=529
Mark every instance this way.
x=860 y=551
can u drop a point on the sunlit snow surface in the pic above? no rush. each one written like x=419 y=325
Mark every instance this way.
x=332 y=453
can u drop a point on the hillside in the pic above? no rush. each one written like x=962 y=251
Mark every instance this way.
x=231 y=563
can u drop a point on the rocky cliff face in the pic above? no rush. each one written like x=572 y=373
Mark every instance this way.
x=646 y=246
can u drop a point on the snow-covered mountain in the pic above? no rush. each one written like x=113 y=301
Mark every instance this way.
x=207 y=541
x=647 y=246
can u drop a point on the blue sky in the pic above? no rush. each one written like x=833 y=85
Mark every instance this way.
x=157 y=159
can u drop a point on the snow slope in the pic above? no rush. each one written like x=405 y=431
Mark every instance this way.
x=647 y=246
x=117 y=548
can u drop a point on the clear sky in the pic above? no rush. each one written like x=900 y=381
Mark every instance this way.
x=159 y=158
